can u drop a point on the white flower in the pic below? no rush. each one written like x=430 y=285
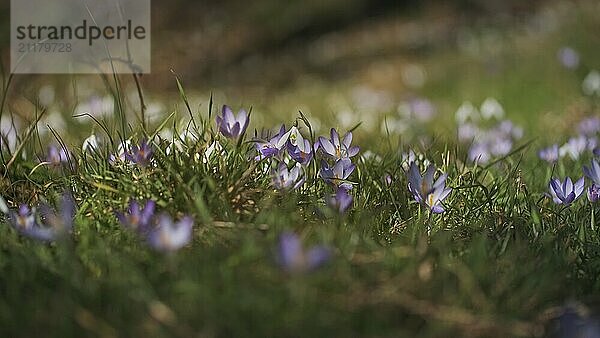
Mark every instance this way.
x=591 y=83
x=466 y=112
x=90 y=144
x=213 y=148
x=491 y=108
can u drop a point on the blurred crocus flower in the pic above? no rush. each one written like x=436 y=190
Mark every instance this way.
x=273 y=146
x=593 y=193
x=589 y=126
x=169 y=236
x=468 y=132
x=565 y=192
x=479 y=152
x=337 y=174
x=336 y=149
x=574 y=147
x=388 y=179
x=502 y=146
x=294 y=258
x=466 y=112
x=591 y=83
x=593 y=172
x=121 y=155
x=9 y=131
x=137 y=218
x=491 y=108
x=508 y=129
x=549 y=154
x=425 y=191
x=417 y=108
x=57 y=156
x=47 y=225
x=284 y=178
x=90 y=144
x=140 y=155
x=341 y=201
x=232 y=126
x=568 y=57
x=574 y=321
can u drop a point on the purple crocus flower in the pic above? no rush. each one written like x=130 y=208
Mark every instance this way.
x=232 y=126
x=137 y=218
x=273 y=146
x=549 y=154
x=479 y=152
x=425 y=191
x=168 y=236
x=593 y=172
x=589 y=126
x=294 y=258
x=336 y=149
x=501 y=146
x=422 y=109
x=593 y=193
x=284 y=178
x=141 y=155
x=467 y=132
x=508 y=129
x=57 y=156
x=47 y=225
x=341 y=201
x=302 y=152
x=568 y=57
x=565 y=192
x=337 y=174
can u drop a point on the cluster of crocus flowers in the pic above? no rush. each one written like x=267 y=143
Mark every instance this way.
x=43 y=223
x=294 y=258
x=566 y=192
x=486 y=143
x=428 y=193
x=583 y=142
x=161 y=232
x=291 y=153
x=336 y=168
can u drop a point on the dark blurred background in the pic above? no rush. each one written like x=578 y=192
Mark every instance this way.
x=216 y=42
